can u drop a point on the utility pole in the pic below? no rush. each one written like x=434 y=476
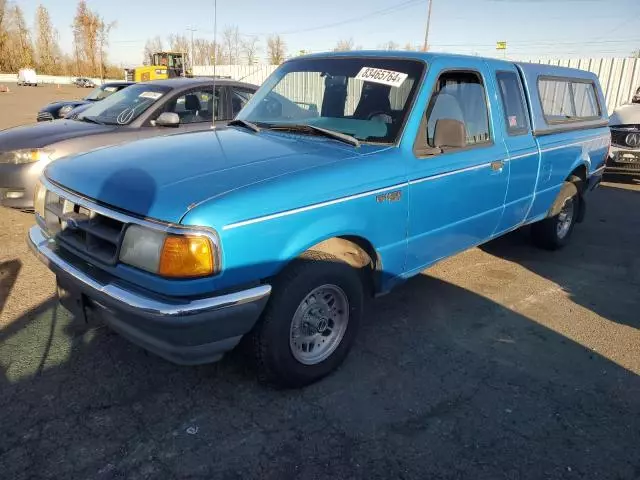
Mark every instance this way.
x=192 y=49
x=426 y=31
x=215 y=60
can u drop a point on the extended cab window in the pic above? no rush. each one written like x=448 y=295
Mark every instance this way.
x=515 y=114
x=567 y=100
x=460 y=96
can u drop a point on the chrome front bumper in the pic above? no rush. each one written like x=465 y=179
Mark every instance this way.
x=184 y=331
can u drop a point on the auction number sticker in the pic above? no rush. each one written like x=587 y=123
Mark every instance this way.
x=382 y=76
x=151 y=95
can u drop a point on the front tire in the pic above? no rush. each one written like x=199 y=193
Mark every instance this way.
x=554 y=232
x=310 y=322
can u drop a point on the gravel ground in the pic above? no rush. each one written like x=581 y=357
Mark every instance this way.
x=502 y=362
x=21 y=104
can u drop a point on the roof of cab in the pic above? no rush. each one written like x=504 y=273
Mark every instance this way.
x=180 y=82
x=410 y=55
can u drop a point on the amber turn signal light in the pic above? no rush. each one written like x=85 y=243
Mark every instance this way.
x=186 y=256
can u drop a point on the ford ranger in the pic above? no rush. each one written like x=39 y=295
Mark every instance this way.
x=344 y=175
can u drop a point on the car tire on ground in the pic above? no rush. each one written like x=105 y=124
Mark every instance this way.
x=310 y=322
x=554 y=232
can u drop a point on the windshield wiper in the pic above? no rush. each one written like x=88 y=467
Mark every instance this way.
x=243 y=123
x=342 y=137
x=91 y=120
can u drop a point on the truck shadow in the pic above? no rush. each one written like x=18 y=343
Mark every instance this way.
x=603 y=275
x=438 y=374
x=8 y=275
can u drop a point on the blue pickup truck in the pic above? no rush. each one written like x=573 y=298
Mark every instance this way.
x=344 y=175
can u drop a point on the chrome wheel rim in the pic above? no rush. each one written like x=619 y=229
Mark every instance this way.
x=565 y=218
x=319 y=324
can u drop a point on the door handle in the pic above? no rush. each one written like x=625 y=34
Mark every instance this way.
x=497 y=166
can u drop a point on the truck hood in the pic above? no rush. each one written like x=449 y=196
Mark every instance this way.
x=164 y=177
x=46 y=133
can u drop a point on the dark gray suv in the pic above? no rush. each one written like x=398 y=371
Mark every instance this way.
x=142 y=110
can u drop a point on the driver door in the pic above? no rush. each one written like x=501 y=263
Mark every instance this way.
x=456 y=195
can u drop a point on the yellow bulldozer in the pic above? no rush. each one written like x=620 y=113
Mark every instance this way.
x=162 y=65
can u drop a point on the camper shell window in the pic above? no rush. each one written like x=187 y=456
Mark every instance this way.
x=566 y=100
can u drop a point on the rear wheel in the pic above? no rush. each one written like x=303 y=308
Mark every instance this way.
x=555 y=231
x=310 y=322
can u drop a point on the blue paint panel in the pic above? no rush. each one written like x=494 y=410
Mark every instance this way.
x=524 y=158
x=162 y=177
x=448 y=213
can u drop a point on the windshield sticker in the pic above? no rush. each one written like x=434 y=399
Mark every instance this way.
x=110 y=89
x=151 y=95
x=384 y=77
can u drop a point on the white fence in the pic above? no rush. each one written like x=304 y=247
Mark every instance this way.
x=255 y=74
x=619 y=77
x=47 y=79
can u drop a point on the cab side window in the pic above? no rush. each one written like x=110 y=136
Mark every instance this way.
x=196 y=106
x=515 y=114
x=461 y=97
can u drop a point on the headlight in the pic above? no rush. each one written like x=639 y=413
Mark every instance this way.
x=39 y=199
x=64 y=110
x=167 y=254
x=25 y=156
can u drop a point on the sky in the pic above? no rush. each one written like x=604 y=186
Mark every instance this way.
x=531 y=28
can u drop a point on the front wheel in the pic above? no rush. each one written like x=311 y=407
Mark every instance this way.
x=555 y=231
x=310 y=322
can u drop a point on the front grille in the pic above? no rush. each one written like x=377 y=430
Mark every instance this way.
x=44 y=116
x=619 y=136
x=634 y=166
x=80 y=229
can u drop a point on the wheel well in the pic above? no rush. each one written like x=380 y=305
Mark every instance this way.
x=579 y=177
x=357 y=252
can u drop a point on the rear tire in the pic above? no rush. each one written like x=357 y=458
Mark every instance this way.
x=554 y=232
x=310 y=322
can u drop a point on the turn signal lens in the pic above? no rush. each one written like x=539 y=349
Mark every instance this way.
x=186 y=256
x=39 y=198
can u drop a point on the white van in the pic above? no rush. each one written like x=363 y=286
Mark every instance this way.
x=27 y=76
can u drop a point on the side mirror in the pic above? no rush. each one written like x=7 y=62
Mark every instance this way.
x=168 y=119
x=449 y=133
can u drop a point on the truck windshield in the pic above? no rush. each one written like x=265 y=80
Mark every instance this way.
x=101 y=92
x=367 y=98
x=125 y=106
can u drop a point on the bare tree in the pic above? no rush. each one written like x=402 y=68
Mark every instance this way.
x=205 y=51
x=151 y=46
x=276 y=49
x=4 y=35
x=16 y=50
x=251 y=48
x=46 y=43
x=232 y=44
x=179 y=43
x=88 y=27
x=104 y=29
x=390 y=45
x=344 y=45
